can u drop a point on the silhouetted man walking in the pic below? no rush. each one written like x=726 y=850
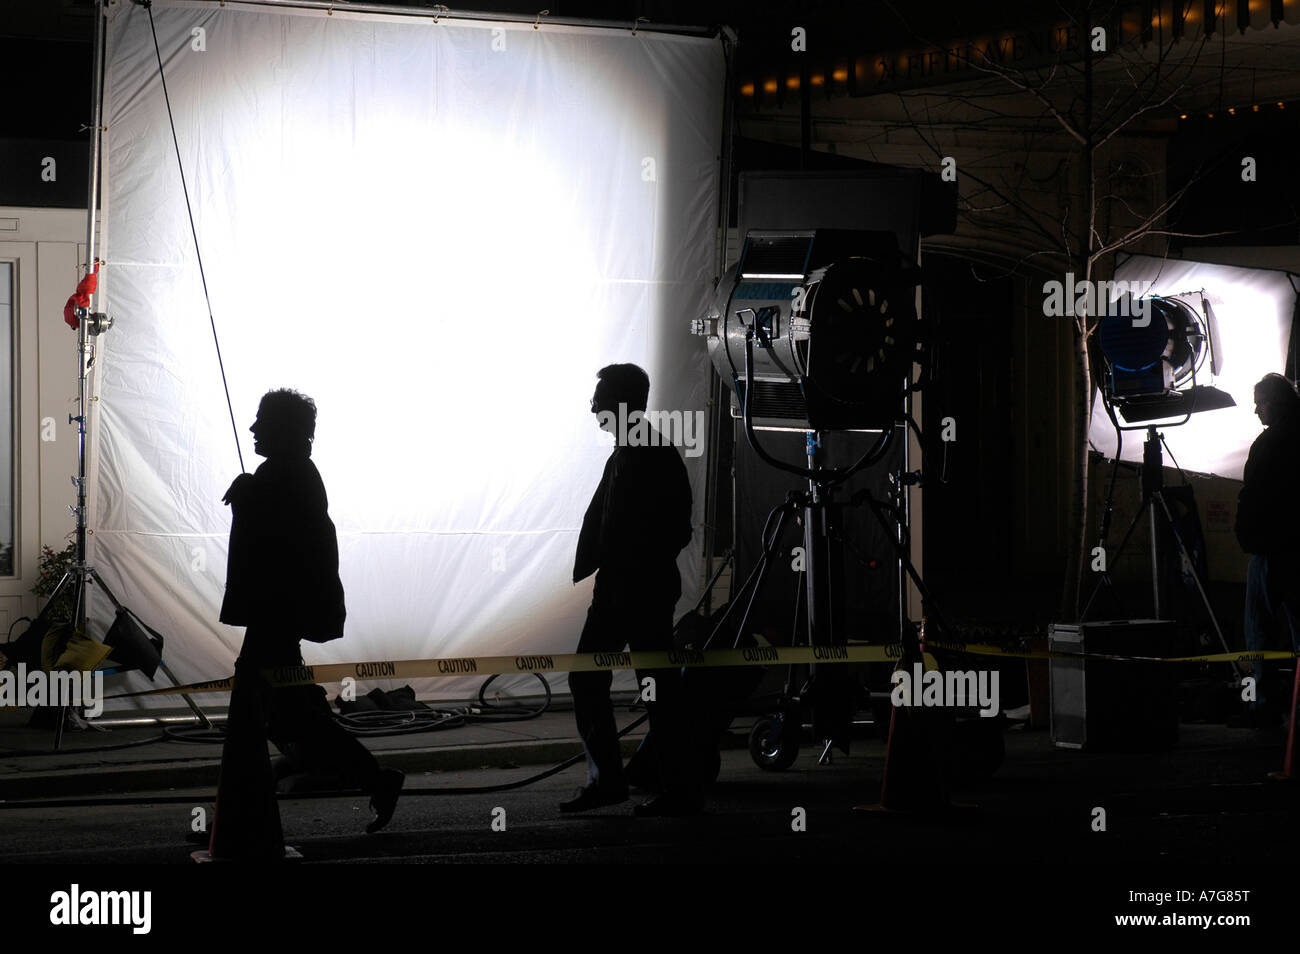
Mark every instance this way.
x=638 y=521
x=282 y=583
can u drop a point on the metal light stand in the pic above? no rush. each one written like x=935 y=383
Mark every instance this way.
x=90 y=324
x=1155 y=506
x=819 y=513
x=824 y=581
x=824 y=561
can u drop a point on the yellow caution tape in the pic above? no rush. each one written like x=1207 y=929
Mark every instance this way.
x=545 y=663
x=596 y=662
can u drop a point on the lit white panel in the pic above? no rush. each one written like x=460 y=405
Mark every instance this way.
x=1254 y=308
x=438 y=240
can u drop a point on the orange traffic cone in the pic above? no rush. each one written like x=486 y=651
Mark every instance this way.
x=915 y=777
x=1289 y=765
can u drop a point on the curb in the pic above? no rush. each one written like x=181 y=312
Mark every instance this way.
x=202 y=773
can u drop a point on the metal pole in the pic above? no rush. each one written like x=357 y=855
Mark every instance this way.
x=1152 y=483
x=83 y=404
x=717 y=391
x=435 y=14
x=902 y=526
x=96 y=121
x=723 y=408
x=729 y=41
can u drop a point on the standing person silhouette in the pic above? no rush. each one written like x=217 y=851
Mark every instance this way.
x=638 y=521
x=282 y=583
x=1268 y=528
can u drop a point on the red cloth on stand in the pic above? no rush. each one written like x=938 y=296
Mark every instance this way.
x=81 y=297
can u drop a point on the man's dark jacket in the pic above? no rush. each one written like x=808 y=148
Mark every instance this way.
x=639 y=519
x=283 y=568
x=1268 y=507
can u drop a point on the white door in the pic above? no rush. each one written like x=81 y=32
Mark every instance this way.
x=41 y=251
x=20 y=496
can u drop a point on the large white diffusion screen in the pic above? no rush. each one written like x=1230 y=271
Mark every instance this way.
x=439 y=232
x=1254 y=308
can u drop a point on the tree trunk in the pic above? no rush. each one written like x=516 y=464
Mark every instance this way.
x=1078 y=549
x=1077 y=521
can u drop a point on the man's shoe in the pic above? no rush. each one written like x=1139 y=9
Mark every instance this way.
x=383 y=800
x=666 y=806
x=593 y=796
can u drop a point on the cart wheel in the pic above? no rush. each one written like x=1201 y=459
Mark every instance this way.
x=771 y=745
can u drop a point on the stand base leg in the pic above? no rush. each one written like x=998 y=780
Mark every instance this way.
x=827 y=758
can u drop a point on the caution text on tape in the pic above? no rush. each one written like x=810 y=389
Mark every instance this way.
x=543 y=663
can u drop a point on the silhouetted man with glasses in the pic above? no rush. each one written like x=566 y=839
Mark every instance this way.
x=638 y=521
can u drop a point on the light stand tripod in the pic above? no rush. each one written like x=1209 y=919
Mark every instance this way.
x=822 y=592
x=820 y=514
x=1156 y=507
x=90 y=325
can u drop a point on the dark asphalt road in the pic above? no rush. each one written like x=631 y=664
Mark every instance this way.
x=1205 y=802
x=1024 y=862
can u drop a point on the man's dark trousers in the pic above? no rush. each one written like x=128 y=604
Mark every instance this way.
x=633 y=609
x=299 y=721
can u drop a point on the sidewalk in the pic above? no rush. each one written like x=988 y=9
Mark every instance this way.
x=40 y=773
x=1210 y=764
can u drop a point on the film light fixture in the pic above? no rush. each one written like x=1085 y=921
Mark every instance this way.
x=834 y=329
x=816 y=331
x=1153 y=349
x=1151 y=361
